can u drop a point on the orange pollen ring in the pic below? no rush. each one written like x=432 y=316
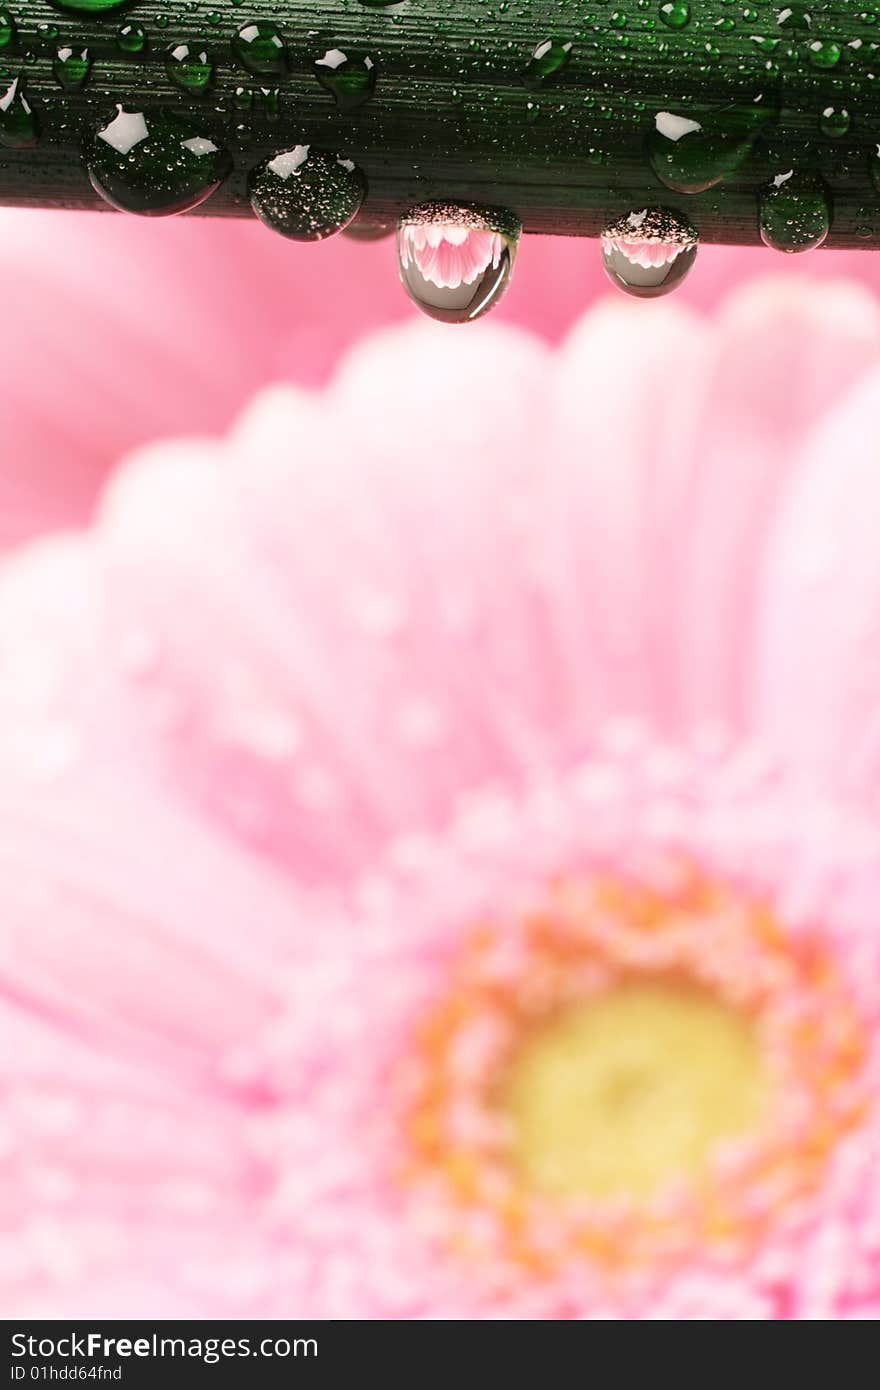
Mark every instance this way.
x=592 y=936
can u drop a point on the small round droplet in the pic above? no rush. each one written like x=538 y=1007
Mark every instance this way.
x=690 y=155
x=7 y=30
x=456 y=259
x=131 y=38
x=648 y=253
x=794 y=17
x=18 y=124
x=834 y=121
x=795 y=212
x=189 y=67
x=350 y=77
x=91 y=6
x=359 y=230
x=675 y=14
x=306 y=194
x=548 y=60
x=269 y=99
x=154 y=163
x=824 y=53
x=71 y=68
x=260 y=48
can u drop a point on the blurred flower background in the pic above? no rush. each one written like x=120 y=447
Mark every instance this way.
x=439 y=785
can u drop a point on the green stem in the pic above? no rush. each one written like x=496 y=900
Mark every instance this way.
x=452 y=118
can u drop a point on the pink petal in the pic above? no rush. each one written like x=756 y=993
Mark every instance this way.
x=817 y=691
x=785 y=352
x=453 y=566
x=111 y=928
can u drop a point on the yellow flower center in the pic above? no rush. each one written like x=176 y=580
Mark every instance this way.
x=626 y=1073
x=618 y=1095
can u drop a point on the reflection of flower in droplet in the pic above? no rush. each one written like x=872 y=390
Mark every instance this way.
x=648 y=252
x=396 y=740
x=645 y=253
x=651 y=238
x=449 y=255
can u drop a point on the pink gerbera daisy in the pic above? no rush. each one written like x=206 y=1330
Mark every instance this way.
x=440 y=876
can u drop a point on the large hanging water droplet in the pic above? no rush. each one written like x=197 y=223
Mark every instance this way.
x=351 y=77
x=71 y=68
x=690 y=155
x=18 y=124
x=305 y=193
x=795 y=212
x=189 y=67
x=548 y=60
x=261 y=49
x=456 y=259
x=648 y=253
x=154 y=163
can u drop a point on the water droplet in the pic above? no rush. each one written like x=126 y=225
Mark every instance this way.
x=648 y=253
x=824 y=53
x=546 y=63
x=795 y=212
x=675 y=13
x=90 y=6
x=270 y=100
x=154 y=163
x=18 y=124
x=7 y=29
x=380 y=4
x=794 y=17
x=834 y=121
x=690 y=155
x=351 y=77
x=131 y=38
x=305 y=193
x=874 y=168
x=368 y=231
x=456 y=259
x=189 y=67
x=71 y=67
x=261 y=49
